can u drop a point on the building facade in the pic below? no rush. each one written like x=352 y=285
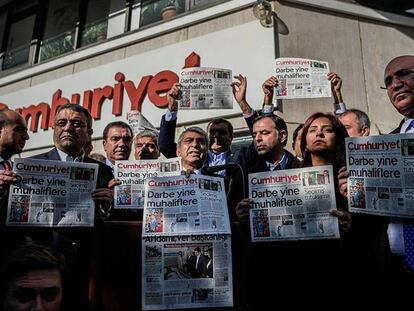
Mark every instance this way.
x=113 y=56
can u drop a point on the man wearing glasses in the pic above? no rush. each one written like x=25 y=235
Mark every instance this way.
x=399 y=83
x=71 y=132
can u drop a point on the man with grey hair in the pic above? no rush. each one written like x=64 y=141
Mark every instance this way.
x=192 y=148
x=356 y=122
x=146 y=145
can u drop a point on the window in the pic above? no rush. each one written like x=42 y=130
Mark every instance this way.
x=33 y=31
x=59 y=29
x=96 y=22
x=18 y=43
x=157 y=10
x=3 y=17
x=402 y=7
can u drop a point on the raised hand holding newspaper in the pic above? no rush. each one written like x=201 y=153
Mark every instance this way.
x=139 y=123
x=206 y=88
x=293 y=204
x=302 y=78
x=52 y=194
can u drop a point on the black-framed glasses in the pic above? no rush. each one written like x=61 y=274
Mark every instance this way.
x=401 y=75
x=74 y=123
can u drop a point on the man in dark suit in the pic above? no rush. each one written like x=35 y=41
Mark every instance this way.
x=196 y=264
x=71 y=132
x=399 y=83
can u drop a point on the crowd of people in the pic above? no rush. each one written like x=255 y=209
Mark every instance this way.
x=370 y=249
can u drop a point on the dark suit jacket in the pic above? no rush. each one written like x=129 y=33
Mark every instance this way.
x=250 y=162
x=76 y=244
x=398 y=129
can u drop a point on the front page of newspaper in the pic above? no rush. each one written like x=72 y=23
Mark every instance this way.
x=185 y=205
x=52 y=194
x=132 y=174
x=186 y=246
x=381 y=174
x=293 y=204
x=302 y=78
x=206 y=88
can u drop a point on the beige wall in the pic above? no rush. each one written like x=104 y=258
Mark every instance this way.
x=357 y=49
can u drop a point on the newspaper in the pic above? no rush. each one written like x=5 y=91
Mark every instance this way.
x=131 y=193
x=381 y=174
x=173 y=277
x=302 y=78
x=139 y=123
x=206 y=88
x=186 y=248
x=293 y=204
x=52 y=194
x=185 y=205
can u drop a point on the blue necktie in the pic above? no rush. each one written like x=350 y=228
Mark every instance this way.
x=411 y=126
x=408 y=230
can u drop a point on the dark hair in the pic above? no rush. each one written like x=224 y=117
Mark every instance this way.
x=77 y=108
x=278 y=121
x=195 y=129
x=116 y=124
x=30 y=257
x=340 y=134
x=197 y=249
x=295 y=134
x=221 y=120
x=362 y=117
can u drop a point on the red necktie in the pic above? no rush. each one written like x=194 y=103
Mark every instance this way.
x=6 y=165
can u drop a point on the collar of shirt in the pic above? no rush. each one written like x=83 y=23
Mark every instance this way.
x=64 y=156
x=279 y=166
x=214 y=159
x=406 y=128
x=110 y=164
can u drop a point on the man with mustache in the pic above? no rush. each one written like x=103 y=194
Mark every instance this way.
x=71 y=132
x=117 y=142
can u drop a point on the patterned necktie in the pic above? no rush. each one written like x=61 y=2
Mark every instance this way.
x=410 y=128
x=6 y=165
x=409 y=244
x=72 y=159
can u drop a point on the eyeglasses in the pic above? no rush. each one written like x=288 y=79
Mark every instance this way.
x=75 y=123
x=401 y=75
